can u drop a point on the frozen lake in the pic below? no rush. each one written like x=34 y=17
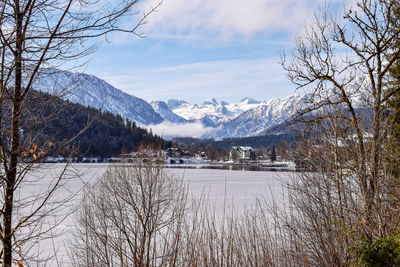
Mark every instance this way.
x=220 y=188
x=238 y=186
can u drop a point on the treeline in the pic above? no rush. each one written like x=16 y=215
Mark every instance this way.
x=264 y=141
x=219 y=150
x=75 y=130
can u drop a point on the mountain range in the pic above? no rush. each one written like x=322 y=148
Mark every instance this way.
x=213 y=119
x=90 y=91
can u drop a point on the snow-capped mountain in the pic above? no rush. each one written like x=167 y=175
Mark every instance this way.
x=211 y=111
x=264 y=115
x=249 y=117
x=91 y=91
x=174 y=103
x=244 y=105
x=215 y=119
x=165 y=112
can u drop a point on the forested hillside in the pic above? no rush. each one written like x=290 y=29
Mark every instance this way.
x=75 y=130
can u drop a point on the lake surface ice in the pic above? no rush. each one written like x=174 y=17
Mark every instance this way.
x=221 y=189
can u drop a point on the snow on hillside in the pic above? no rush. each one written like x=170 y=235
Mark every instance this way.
x=210 y=111
x=91 y=91
x=265 y=115
x=249 y=117
x=244 y=105
x=174 y=103
x=213 y=112
x=163 y=110
x=208 y=119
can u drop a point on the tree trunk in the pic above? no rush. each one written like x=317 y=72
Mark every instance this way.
x=15 y=136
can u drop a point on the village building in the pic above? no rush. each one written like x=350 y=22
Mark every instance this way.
x=240 y=153
x=174 y=152
x=201 y=155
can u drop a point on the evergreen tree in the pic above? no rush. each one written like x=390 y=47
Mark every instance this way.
x=107 y=135
x=273 y=154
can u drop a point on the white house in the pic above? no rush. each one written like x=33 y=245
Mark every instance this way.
x=241 y=153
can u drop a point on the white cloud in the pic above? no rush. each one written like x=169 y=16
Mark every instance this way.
x=228 y=80
x=226 y=18
x=192 y=129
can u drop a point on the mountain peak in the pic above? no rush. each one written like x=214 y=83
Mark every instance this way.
x=90 y=91
x=165 y=112
x=224 y=103
x=211 y=101
x=249 y=100
x=175 y=103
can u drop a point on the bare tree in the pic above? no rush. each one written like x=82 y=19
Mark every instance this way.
x=139 y=215
x=132 y=217
x=345 y=63
x=36 y=35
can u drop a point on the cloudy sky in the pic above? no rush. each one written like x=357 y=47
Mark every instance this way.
x=199 y=49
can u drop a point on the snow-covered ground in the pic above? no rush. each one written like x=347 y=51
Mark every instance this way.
x=218 y=187
x=238 y=188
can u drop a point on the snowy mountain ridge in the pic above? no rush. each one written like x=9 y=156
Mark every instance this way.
x=91 y=91
x=165 y=112
x=249 y=117
x=209 y=119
